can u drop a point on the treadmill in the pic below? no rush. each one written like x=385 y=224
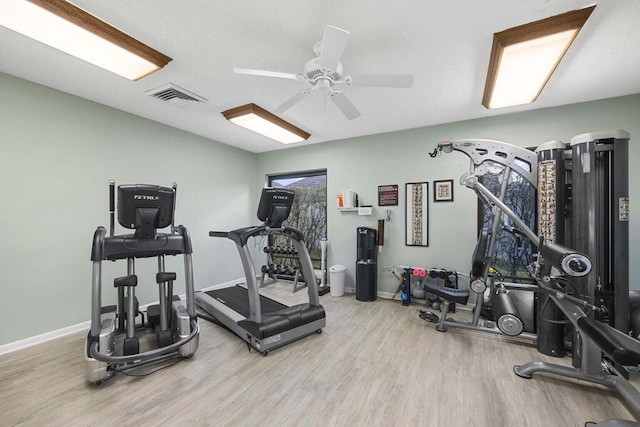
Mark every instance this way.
x=263 y=323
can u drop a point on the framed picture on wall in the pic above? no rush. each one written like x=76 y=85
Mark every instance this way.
x=417 y=214
x=443 y=191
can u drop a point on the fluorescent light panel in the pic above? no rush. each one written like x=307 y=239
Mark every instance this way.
x=68 y=28
x=523 y=58
x=259 y=120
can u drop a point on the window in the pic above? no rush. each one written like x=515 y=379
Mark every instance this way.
x=309 y=210
x=513 y=251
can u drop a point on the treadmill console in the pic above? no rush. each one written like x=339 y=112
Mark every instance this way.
x=275 y=206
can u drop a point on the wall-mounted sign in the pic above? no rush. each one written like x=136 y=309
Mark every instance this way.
x=387 y=195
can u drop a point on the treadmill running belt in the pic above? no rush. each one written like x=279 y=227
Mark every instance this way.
x=237 y=299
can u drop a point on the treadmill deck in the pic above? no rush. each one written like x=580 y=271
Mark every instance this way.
x=237 y=298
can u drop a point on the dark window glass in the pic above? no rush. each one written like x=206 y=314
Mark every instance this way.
x=309 y=210
x=513 y=251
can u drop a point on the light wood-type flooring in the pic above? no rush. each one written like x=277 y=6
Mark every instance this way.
x=375 y=364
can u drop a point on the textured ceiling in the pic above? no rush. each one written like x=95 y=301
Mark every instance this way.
x=445 y=45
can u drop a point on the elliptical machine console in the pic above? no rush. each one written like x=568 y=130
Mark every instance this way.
x=113 y=343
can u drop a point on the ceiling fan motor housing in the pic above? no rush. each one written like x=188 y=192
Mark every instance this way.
x=314 y=72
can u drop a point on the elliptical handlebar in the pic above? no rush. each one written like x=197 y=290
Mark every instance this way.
x=112 y=207
x=174 y=185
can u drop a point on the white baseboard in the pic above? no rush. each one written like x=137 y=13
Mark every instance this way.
x=223 y=285
x=42 y=338
x=385 y=295
x=84 y=326
x=396 y=296
x=380 y=294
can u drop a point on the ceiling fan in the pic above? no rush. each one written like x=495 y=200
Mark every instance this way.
x=325 y=71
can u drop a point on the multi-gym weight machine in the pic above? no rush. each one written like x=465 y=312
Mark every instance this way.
x=115 y=343
x=595 y=167
x=588 y=286
x=512 y=303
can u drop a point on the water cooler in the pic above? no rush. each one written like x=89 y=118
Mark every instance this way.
x=366 y=264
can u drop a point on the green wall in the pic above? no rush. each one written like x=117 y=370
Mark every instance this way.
x=397 y=158
x=58 y=153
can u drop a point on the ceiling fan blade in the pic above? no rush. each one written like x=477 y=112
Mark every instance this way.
x=383 y=80
x=348 y=109
x=334 y=42
x=264 y=73
x=291 y=102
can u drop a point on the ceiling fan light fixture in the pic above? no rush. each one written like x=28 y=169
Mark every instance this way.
x=325 y=71
x=70 y=29
x=523 y=58
x=259 y=120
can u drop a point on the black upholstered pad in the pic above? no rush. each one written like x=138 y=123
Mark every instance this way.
x=620 y=347
x=283 y=320
x=478 y=260
x=453 y=295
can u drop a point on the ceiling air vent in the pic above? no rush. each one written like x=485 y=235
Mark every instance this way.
x=175 y=95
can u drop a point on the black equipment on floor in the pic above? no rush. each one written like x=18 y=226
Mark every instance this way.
x=515 y=301
x=366 y=264
x=263 y=323
x=583 y=196
x=588 y=284
x=113 y=343
x=282 y=264
x=600 y=220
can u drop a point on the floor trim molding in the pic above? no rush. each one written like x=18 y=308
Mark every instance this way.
x=84 y=326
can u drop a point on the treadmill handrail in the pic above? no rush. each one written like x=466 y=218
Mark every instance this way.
x=242 y=235
x=223 y=234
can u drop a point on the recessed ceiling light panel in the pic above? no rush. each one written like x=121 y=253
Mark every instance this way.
x=523 y=58
x=259 y=120
x=72 y=30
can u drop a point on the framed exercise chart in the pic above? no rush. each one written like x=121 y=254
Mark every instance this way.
x=417 y=214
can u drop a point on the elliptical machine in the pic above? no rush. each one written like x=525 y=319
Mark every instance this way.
x=112 y=344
